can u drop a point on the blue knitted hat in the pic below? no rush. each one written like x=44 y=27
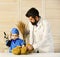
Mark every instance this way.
x=14 y=31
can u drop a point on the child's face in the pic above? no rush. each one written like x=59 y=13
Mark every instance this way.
x=14 y=36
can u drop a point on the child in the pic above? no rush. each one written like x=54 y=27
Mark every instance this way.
x=15 y=40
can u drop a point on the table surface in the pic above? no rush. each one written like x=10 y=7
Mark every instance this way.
x=31 y=55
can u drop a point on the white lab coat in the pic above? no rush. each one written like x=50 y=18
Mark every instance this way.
x=40 y=36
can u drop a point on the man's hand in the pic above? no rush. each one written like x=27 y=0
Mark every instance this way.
x=29 y=47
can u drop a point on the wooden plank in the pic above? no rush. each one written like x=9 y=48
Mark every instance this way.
x=52 y=4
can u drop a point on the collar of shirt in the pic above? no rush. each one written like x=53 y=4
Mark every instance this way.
x=15 y=40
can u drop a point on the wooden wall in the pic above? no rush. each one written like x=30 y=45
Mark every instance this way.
x=12 y=11
x=8 y=18
x=52 y=14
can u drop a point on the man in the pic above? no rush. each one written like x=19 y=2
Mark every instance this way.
x=40 y=35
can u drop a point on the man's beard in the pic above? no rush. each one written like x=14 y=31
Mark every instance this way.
x=35 y=23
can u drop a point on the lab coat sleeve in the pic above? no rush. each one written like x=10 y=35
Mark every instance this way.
x=45 y=35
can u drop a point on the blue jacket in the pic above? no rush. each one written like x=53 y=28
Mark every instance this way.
x=14 y=43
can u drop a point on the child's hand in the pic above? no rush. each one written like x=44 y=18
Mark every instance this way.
x=22 y=45
x=10 y=38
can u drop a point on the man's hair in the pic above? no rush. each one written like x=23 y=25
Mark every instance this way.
x=32 y=12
